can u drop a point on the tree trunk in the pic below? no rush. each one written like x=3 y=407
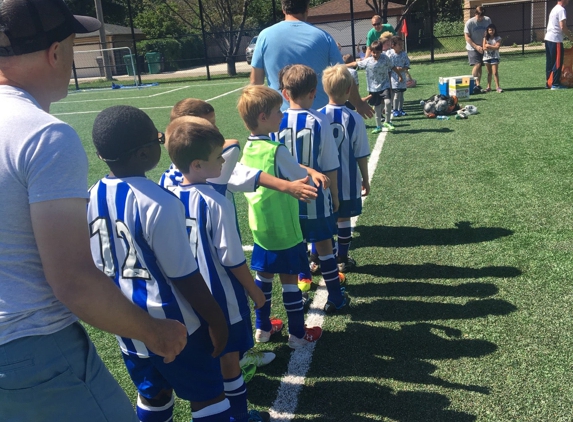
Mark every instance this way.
x=231 y=67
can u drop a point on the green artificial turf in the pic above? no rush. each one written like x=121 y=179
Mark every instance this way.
x=462 y=298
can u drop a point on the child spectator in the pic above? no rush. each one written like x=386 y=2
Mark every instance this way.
x=139 y=239
x=491 y=44
x=378 y=67
x=308 y=136
x=273 y=218
x=353 y=151
x=401 y=62
x=196 y=147
x=235 y=177
x=347 y=58
x=386 y=40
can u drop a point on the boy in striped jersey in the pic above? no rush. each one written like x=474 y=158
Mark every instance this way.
x=196 y=147
x=307 y=134
x=139 y=239
x=273 y=218
x=353 y=150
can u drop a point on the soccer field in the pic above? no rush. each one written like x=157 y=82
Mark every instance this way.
x=462 y=298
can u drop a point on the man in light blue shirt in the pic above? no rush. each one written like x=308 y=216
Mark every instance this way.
x=293 y=41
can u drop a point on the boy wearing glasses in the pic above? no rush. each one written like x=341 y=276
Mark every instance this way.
x=374 y=34
x=139 y=239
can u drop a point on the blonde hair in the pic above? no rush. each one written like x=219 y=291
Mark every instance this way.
x=385 y=36
x=191 y=138
x=298 y=80
x=191 y=107
x=336 y=80
x=257 y=99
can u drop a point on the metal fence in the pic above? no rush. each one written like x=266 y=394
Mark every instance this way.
x=434 y=34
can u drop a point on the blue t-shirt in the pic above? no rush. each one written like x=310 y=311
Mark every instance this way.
x=295 y=42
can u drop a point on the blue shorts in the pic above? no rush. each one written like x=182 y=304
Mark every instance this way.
x=349 y=208
x=491 y=61
x=287 y=261
x=59 y=377
x=317 y=229
x=194 y=374
x=240 y=336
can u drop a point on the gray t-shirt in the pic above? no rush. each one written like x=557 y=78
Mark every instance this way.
x=41 y=159
x=476 y=30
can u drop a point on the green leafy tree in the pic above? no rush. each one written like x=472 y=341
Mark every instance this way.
x=114 y=11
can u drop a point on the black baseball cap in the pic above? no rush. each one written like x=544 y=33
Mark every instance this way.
x=27 y=26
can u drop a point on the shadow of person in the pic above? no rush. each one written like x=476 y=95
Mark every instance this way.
x=421 y=289
x=435 y=271
x=405 y=237
x=413 y=310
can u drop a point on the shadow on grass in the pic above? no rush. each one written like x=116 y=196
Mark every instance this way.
x=415 y=310
x=420 y=289
x=400 y=129
x=387 y=236
x=427 y=270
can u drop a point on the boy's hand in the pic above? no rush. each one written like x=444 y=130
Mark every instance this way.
x=335 y=203
x=319 y=179
x=301 y=190
x=219 y=335
x=170 y=338
x=365 y=187
x=400 y=79
x=258 y=296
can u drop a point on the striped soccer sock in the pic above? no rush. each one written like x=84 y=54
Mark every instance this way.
x=214 y=413
x=147 y=413
x=329 y=270
x=236 y=393
x=344 y=237
x=292 y=299
x=263 y=315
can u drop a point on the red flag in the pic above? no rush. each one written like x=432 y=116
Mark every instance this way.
x=404 y=28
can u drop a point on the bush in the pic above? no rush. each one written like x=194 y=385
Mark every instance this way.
x=169 y=48
x=447 y=28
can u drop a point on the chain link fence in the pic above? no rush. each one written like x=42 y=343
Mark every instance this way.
x=433 y=34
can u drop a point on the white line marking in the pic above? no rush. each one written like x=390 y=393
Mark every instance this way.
x=125 y=98
x=147 y=108
x=284 y=407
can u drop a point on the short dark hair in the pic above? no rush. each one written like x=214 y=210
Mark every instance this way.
x=480 y=11
x=377 y=46
x=191 y=139
x=120 y=129
x=396 y=40
x=191 y=107
x=297 y=80
x=294 y=7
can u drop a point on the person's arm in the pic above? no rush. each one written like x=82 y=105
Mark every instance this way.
x=398 y=71
x=361 y=106
x=196 y=292
x=363 y=166
x=352 y=64
x=319 y=179
x=565 y=30
x=299 y=189
x=469 y=40
x=333 y=176
x=246 y=279
x=257 y=76
x=62 y=236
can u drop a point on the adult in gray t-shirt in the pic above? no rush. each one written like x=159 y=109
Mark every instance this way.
x=474 y=32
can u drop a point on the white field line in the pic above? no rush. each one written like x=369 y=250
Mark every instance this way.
x=284 y=407
x=125 y=98
x=146 y=108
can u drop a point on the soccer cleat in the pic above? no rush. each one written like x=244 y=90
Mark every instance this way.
x=248 y=372
x=556 y=87
x=256 y=416
x=262 y=336
x=403 y=113
x=257 y=358
x=346 y=264
x=396 y=113
x=331 y=308
x=341 y=278
x=304 y=284
x=389 y=126
x=377 y=130
x=311 y=334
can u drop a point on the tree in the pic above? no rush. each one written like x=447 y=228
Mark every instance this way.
x=224 y=20
x=114 y=11
x=380 y=7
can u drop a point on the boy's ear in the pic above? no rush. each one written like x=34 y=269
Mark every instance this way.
x=285 y=94
x=312 y=94
x=348 y=90
x=195 y=165
x=262 y=117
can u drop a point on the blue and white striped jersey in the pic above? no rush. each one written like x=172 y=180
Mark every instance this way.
x=349 y=132
x=308 y=136
x=216 y=244
x=138 y=239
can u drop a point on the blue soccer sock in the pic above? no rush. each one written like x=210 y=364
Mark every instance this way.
x=329 y=270
x=305 y=274
x=313 y=250
x=344 y=237
x=147 y=413
x=214 y=413
x=263 y=315
x=236 y=393
x=292 y=300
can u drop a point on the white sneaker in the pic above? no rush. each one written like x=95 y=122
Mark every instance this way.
x=264 y=336
x=257 y=358
x=311 y=335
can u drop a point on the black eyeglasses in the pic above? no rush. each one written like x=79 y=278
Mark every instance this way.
x=160 y=138
x=377 y=24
